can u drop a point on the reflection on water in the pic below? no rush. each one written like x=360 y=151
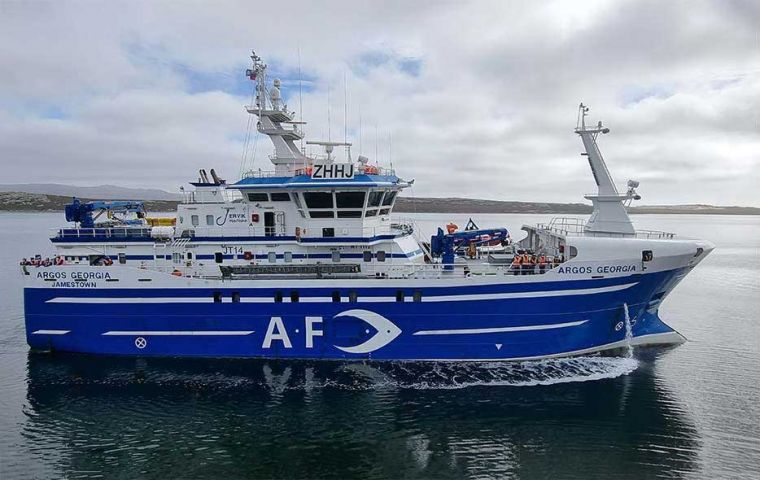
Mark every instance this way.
x=246 y=418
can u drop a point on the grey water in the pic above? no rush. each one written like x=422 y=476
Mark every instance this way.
x=687 y=412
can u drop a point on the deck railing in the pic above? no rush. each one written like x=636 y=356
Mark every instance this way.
x=576 y=226
x=110 y=232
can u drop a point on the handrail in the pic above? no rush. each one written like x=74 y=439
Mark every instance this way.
x=109 y=232
x=301 y=169
x=571 y=225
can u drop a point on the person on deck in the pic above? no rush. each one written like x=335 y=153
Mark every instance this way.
x=527 y=264
x=542 y=263
x=516 y=265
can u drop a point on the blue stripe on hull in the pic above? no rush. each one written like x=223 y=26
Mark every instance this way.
x=447 y=330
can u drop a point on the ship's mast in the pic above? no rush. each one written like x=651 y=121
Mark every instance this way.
x=273 y=113
x=609 y=215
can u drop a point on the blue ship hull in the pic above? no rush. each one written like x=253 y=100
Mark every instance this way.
x=484 y=322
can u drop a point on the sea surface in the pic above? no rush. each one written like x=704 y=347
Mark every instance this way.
x=687 y=412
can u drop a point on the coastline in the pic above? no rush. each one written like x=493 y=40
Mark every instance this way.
x=38 y=202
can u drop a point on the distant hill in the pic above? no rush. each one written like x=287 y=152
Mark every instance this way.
x=469 y=205
x=102 y=192
x=37 y=202
x=42 y=197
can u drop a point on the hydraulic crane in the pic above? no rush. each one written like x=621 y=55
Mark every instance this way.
x=445 y=245
x=87 y=213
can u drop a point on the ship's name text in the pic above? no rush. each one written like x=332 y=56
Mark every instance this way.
x=602 y=269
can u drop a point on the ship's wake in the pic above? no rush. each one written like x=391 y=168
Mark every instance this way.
x=428 y=376
x=279 y=377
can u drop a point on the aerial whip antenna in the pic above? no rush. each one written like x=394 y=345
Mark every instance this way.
x=329 y=137
x=390 y=149
x=345 y=114
x=300 y=92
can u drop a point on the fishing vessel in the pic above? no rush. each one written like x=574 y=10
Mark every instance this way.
x=307 y=261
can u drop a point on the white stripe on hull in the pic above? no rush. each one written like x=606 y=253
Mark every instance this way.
x=524 y=328
x=50 y=332
x=146 y=333
x=362 y=299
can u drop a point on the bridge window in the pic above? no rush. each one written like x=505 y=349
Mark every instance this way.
x=318 y=199
x=272 y=257
x=367 y=254
x=389 y=197
x=375 y=198
x=381 y=256
x=371 y=213
x=288 y=256
x=280 y=197
x=122 y=258
x=336 y=256
x=209 y=220
x=189 y=255
x=218 y=257
x=194 y=220
x=328 y=232
x=572 y=252
x=350 y=199
x=349 y=214
x=336 y=296
x=385 y=211
x=321 y=214
x=258 y=197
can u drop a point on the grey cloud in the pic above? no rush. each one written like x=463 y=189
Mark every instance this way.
x=489 y=113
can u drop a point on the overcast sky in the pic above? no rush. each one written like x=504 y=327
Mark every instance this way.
x=479 y=98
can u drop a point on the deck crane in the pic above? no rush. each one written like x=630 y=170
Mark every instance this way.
x=445 y=245
x=87 y=213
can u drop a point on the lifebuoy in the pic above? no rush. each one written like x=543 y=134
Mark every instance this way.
x=177 y=273
x=248 y=255
x=107 y=261
x=298 y=232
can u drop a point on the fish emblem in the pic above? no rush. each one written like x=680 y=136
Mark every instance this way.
x=387 y=331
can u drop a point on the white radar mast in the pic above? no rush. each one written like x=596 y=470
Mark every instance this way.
x=609 y=215
x=273 y=113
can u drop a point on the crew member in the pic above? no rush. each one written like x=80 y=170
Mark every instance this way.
x=472 y=251
x=516 y=265
x=527 y=264
x=542 y=263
